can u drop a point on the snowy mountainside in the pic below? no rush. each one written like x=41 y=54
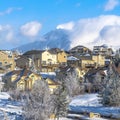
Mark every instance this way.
x=57 y=38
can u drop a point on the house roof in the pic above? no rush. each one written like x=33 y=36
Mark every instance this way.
x=72 y=58
x=80 y=49
x=50 y=76
x=55 y=50
x=23 y=57
x=8 y=52
x=83 y=57
x=19 y=73
x=33 y=52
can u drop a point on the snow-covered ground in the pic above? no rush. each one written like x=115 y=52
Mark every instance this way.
x=90 y=103
x=82 y=103
x=9 y=108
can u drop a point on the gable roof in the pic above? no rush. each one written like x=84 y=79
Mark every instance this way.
x=19 y=73
x=31 y=52
x=55 y=50
x=83 y=57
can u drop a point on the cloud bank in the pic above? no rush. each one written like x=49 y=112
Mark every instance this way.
x=103 y=29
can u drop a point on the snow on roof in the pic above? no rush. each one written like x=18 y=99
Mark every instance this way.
x=87 y=54
x=107 y=60
x=50 y=75
x=72 y=58
x=8 y=52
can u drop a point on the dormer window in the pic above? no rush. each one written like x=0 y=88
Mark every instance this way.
x=9 y=56
x=32 y=76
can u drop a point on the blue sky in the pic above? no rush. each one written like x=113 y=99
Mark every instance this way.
x=23 y=21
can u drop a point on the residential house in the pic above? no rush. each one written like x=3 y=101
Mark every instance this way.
x=7 y=60
x=83 y=61
x=36 y=58
x=62 y=57
x=20 y=79
x=24 y=80
x=24 y=62
x=99 y=60
x=86 y=62
x=73 y=61
x=103 y=50
x=80 y=50
x=52 y=59
x=66 y=70
x=49 y=57
x=43 y=60
x=53 y=85
x=49 y=61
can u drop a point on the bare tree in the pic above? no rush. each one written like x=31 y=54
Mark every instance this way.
x=15 y=94
x=38 y=103
x=73 y=84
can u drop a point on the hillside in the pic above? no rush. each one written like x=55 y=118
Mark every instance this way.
x=57 y=38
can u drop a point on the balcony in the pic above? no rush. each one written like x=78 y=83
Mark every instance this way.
x=89 y=65
x=50 y=65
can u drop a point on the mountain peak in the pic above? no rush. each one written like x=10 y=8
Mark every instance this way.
x=58 y=38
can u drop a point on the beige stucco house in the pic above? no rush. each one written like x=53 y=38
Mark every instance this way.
x=7 y=60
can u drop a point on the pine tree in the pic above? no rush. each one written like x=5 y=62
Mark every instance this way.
x=60 y=101
x=110 y=92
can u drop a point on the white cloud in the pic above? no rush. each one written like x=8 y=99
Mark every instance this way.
x=9 y=10
x=10 y=36
x=6 y=34
x=96 y=31
x=66 y=26
x=111 y=4
x=31 y=29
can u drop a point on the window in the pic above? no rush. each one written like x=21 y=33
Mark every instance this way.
x=32 y=76
x=44 y=62
x=0 y=63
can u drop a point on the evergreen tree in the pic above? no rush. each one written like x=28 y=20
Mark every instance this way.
x=110 y=92
x=60 y=101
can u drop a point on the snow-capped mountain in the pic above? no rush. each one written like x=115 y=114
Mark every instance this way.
x=57 y=38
